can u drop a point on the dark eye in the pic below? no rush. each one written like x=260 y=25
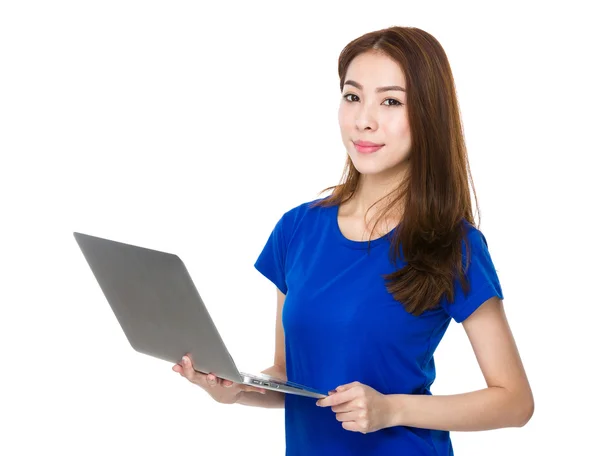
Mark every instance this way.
x=396 y=102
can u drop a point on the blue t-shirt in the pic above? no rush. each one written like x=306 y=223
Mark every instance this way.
x=341 y=325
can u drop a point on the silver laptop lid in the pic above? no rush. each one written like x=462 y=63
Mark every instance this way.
x=157 y=304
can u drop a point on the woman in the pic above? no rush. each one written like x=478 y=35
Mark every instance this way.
x=372 y=274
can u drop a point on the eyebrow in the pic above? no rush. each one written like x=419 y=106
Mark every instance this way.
x=379 y=89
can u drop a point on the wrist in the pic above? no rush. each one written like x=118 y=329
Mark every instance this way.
x=395 y=409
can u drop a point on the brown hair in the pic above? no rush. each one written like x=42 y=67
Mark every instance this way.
x=434 y=196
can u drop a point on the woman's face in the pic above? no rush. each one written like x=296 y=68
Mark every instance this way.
x=380 y=117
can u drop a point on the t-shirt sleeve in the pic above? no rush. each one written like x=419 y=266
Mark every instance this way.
x=482 y=277
x=271 y=261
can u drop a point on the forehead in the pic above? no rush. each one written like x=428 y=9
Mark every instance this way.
x=373 y=69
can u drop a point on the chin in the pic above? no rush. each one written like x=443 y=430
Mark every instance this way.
x=368 y=168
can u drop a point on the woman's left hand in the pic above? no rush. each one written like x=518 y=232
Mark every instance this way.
x=359 y=407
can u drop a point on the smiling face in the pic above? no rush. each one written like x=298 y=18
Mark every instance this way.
x=373 y=109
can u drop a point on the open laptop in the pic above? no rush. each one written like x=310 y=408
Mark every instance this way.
x=161 y=312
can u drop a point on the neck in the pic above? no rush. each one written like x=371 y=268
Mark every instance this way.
x=376 y=189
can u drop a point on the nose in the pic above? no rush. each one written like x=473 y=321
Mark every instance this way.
x=365 y=118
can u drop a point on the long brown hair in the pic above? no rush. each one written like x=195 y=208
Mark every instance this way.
x=434 y=196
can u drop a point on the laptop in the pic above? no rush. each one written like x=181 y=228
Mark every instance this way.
x=161 y=312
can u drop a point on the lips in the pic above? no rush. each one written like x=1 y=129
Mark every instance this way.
x=367 y=144
x=367 y=149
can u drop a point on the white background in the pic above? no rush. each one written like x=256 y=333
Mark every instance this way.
x=191 y=128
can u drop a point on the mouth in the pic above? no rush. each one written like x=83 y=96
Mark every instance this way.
x=367 y=149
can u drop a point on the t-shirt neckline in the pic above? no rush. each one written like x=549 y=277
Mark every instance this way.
x=334 y=212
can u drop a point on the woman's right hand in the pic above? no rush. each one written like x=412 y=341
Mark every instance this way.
x=221 y=390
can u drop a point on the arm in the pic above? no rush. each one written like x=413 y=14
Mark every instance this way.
x=272 y=399
x=506 y=402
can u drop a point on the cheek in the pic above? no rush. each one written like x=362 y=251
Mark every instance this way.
x=398 y=128
x=344 y=119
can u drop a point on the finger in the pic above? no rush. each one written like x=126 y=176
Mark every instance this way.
x=212 y=380
x=337 y=398
x=191 y=374
x=352 y=426
x=347 y=416
x=186 y=367
x=343 y=408
x=345 y=387
x=253 y=389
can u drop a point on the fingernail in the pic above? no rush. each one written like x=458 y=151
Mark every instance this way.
x=185 y=360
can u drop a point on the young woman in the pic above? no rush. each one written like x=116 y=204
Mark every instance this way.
x=369 y=277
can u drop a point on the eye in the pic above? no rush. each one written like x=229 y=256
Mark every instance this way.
x=349 y=95
x=396 y=102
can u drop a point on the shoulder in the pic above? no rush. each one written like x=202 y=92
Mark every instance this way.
x=306 y=209
x=473 y=235
x=303 y=214
x=476 y=249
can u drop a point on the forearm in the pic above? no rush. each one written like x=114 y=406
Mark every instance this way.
x=490 y=408
x=272 y=399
